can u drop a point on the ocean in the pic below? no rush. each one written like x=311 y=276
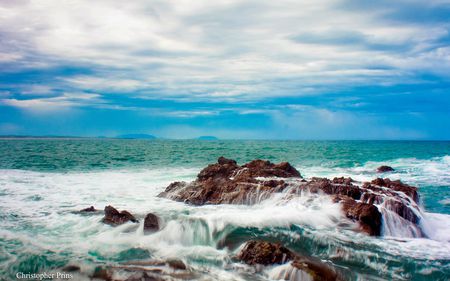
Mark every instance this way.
x=43 y=182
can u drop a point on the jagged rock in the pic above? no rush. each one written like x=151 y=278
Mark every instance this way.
x=151 y=223
x=397 y=185
x=385 y=169
x=336 y=187
x=114 y=217
x=266 y=253
x=368 y=216
x=228 y=183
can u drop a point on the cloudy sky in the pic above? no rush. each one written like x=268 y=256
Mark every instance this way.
x=327 y=69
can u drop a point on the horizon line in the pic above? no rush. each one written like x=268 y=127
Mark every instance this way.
x=4 y=137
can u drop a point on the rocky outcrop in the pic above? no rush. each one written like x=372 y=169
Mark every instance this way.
x=228 y=183
x=114 y=217
x=266 y=253
x=151 y=223
x=365 y=203
x=385 y=169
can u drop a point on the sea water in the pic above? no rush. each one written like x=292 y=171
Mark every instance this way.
x=43 y=182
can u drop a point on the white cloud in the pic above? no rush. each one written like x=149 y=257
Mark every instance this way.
x=226 y=50
x=53 y=104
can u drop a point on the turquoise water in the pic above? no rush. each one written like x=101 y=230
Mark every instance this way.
x=42 y=181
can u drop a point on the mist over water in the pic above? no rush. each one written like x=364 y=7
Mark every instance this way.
x=42 y=183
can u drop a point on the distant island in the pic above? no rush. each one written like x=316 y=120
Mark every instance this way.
x=137 y=136
x=207 y=138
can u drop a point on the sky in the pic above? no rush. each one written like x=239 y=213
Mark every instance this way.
x=326 y=69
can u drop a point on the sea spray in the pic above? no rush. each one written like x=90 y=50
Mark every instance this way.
x=41 y=230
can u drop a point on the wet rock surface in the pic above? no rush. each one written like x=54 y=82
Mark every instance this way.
x=385 y=169
x=114 y=217
x=267 y=253
x=226 y=182
x=367 y=215
x=151 y=223
x=171 y=269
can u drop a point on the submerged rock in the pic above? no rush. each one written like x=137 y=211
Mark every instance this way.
x=365 y=203
x=151 y=223
x=89 y=210
x=71 y=268
x=385 y=169
x=266 y=253
x=143 y=276
x=114 y=217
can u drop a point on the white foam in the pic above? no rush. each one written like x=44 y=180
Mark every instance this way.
x=428 y=172
x=437 y=226
x=42 y=204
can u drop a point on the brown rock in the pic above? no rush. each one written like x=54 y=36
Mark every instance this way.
x=367 y=215
x=151 y=223
x=222 y=161
x=266 y=253
x=385 y=169
x=332 y=188
x=397 y=185
x=71 y=268
x=114 y=217
x=176 y=264
x=102 y=274
x=228 y=183
x=87 y=210
x=143 y=276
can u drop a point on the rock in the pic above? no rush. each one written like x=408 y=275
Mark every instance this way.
x=71 y=268
x=151 y=223
x=102 y=274
x=225 y=182
x=173 y=263
x=385 y=169
x=368 y=216
x=228 y=183
x=266 y=253
x=114 y=217
x=397 y=185
x=318 y=270
x=87 y=210
x=176 y=264
x=342 y=187
x=222 y=161
x=143 y=276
